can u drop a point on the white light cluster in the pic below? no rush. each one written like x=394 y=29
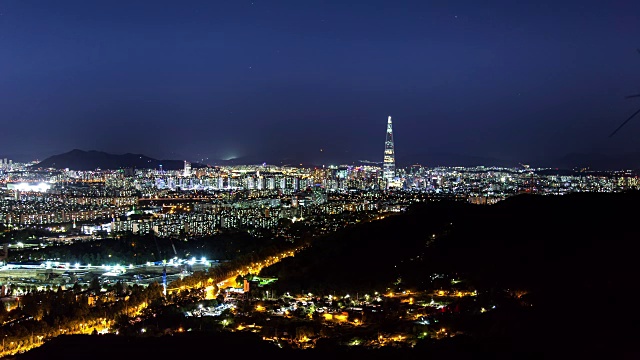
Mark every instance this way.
x=41 y=187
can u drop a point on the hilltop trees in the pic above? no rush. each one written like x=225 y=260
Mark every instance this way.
x=49 y=313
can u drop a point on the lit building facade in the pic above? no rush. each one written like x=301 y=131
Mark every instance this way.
x=389 y=162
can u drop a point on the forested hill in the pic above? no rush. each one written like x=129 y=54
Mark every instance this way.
x=135 y=249
x=574 y=255
x=364 y=257
x=525 y=241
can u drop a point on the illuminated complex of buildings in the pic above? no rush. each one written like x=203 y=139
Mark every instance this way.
x=198 y=201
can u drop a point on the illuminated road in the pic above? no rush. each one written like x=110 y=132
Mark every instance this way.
x=60 y=267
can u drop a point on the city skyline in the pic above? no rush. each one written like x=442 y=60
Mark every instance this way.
x=493 y=82
x=181 y=178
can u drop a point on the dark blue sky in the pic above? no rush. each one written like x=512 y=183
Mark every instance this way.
x=513 y=80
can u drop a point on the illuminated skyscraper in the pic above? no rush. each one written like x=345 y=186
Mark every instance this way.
x=187 y=169
x=389 y=162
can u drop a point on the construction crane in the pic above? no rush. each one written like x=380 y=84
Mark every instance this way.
x=164 y=262
x=5 y=252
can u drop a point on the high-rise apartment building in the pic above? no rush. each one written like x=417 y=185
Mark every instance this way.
x=187 y=168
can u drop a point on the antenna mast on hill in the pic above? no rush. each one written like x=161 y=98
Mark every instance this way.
x=632 y=115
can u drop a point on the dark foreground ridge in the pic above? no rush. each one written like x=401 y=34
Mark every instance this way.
x=247 y=345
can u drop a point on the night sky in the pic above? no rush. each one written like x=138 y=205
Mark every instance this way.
x=518 y=81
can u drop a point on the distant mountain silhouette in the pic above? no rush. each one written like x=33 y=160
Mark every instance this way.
x=440 y=158
x=277 y=161
x=574 y=160
x=595 y=161
x=90 y=160
x=404 y=160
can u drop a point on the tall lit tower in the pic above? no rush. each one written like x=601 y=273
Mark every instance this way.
x=389 y=162
x=187 y=169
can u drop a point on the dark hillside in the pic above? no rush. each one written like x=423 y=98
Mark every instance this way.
x=366 y=256
x=525 y=241
x=574 y=255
